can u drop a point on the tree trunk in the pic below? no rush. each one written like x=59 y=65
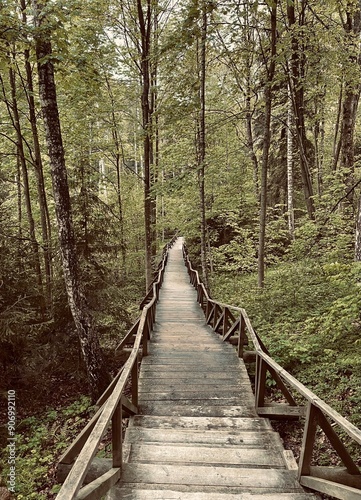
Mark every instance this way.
x=298 y=63
x=266 y=146
x=43 y=205
x=97 y=374
x=290 y=208
x=27 y=197
x=118 y=156
x=202 y=143
x=352 y=96
x=145 y=32
x=358 y=233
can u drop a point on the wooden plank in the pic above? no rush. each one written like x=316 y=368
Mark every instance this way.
x=128 y=493
x=280 y=411
x=330 y=488
x=200 y=455
x=240 y=439
x=200 y=423
x=337 y=475
x=211 y=395
x=99 y=487
x=201 y=410
x=209 y=476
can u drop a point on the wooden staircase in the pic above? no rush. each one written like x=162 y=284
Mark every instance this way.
x=198 y=435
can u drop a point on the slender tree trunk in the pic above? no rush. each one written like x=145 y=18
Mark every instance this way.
x=250 y=144
x=298 y=62
x=337 y=140
x=97 y=373
x=358 y=233
x=118 y=157
x=27 y=197
x=145 y=31
x=290 y=208
x=351 y=95
x=266 y=147
x=38 y=166
x=202 y=142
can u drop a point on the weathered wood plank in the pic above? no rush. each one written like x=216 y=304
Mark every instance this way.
x=190 y=408
x=197 y=394
x=209 y=476
x=241 y=439
x=100 y=486
x=200 y=423
x=129 y=493
x=200 y=455
x=330 y=488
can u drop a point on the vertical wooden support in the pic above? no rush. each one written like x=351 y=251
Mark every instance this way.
x=241 y=333
x=225 y=321
x=145 y=339
x=308 y=441
x=135 y=383
x=117 y=436
x=261 y=372
x=208 y=310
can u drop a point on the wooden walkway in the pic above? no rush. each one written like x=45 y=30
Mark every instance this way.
x=198 y=435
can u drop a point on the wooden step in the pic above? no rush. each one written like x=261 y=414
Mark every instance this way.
x=188 y=408
x=211 y=478
x=200 y=423
x=206 y=455
x=129 y=493
x=241 y=439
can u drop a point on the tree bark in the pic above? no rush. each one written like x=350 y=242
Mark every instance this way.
x=38 y=165
x=352 y=91
x=97 y=374
x=266 y=146
x=145 y=32
x=297 y=73
x=202 y=142
x=21 y=155
x=290 y=208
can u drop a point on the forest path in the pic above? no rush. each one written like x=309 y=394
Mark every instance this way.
x=198 y=435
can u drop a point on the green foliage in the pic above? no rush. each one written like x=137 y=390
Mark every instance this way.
x=40 y=442
x=308 y=315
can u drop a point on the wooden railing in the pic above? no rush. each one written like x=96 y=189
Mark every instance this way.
x=113 y=405
x=234 y=326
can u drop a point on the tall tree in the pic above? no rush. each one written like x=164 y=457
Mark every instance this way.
x=297 y=86
x=201 y=135
x=97 y=373
x=268 y=91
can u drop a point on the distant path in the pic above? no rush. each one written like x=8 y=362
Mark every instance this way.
x=198 y=436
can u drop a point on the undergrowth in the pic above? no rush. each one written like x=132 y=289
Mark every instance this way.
x=40 y=440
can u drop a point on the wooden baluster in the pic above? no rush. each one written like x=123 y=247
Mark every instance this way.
x=225 y=321
x=117 y=436
x=241 y=333
x=145 y=339
x=308 y=441
x=260 y=385
x=135 y=380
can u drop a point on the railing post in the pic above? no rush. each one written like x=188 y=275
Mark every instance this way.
x=260 y=383
x=225 y=321
x=117 y=436
x=145 y=339
x=308 y=441
x=241 y=335
x=135 y=381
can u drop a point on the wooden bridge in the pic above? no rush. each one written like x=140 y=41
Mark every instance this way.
x=197 y=431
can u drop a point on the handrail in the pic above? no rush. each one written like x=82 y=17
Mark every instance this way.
x=114 y=403
x=231 y=321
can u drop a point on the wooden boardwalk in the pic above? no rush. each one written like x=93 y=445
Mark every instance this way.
x=198 y=435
